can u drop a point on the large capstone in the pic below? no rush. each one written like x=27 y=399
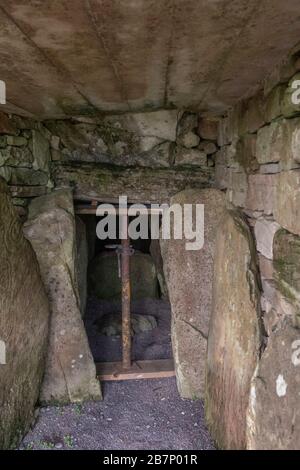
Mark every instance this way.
x=70 y=371
x=23 y=326
x=105 y=282
x=235 y=333
x=189 y=276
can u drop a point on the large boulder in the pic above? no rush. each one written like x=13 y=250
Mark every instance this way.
x=235 y=333
x=189 y=276
x=70 y=371
x=23 y=326
x=105 y=282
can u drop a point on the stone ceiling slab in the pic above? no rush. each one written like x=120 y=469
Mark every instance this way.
x=61 y=58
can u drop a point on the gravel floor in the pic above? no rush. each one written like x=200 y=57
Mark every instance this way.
x=142 y=414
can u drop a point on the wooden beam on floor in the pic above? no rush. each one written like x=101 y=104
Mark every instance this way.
x=107 y=371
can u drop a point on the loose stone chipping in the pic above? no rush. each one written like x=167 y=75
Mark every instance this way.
x=188 y=276
x=23 y=326
x=70 y=371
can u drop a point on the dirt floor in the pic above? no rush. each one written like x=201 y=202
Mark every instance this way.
x=137 y=414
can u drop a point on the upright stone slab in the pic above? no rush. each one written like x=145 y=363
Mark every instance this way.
x=274 y=414
x=188 y=276
x=235 y=333
x=70 y=371
x=24 y=322
x=81 y=262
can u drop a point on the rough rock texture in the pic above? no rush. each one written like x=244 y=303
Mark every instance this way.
x=81 y=262
x=141 y=139
x=188 y=276
x=70 y=371
x=234 y=340
x=274 y=415
x=274 y=418
x=24 y=323
x=24 y=157
x=105 y=283
x=208 y=129
x=287 y=201
x=129 y=57
x=287 y=267
x=139 y=184
x=261 y=193
x=155 y=252
x=189 y=157
x=264 y=233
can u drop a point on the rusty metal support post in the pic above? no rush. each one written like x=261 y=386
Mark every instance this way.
x=126 y=322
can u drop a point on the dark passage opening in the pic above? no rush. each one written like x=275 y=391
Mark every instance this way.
x=150 y=308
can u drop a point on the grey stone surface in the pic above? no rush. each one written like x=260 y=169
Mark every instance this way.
x=82 y=260
x=188 y=276
x=23 y=326
x=235 y=333
x=70 y=370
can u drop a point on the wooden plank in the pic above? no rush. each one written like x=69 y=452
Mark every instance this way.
x=161 y=368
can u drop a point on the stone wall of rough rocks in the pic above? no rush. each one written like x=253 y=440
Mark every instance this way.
x=146 y=144
x=160 y=139
x=24 y=159
x=147 y=156
x=258 y=165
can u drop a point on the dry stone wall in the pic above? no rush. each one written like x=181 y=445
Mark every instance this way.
x=258 y=165
x=159 y=139
x=24 y=159
x=147 y=156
